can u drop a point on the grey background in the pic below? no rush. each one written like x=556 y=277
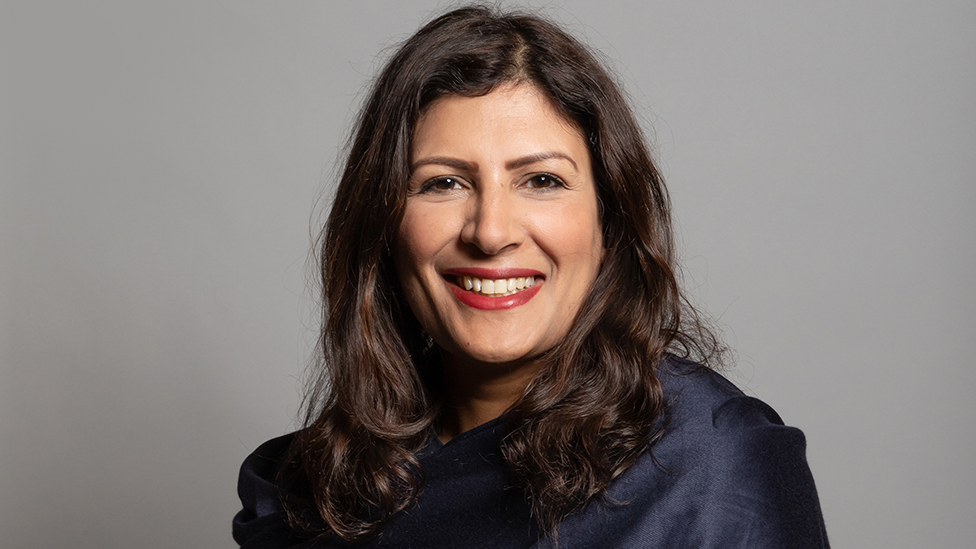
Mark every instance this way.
x=161 y=165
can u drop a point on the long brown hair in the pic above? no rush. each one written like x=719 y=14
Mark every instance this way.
x=596 y=405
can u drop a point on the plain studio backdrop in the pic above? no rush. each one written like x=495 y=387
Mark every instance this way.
x=162 y=166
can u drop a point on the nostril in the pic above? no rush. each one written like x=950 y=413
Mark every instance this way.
x=493 y=229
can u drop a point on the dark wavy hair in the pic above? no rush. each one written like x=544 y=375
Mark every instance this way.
x=596 y=404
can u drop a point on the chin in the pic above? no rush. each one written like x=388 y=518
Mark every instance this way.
x=491 y=355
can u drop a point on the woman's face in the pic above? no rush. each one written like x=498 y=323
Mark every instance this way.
x=500 y=241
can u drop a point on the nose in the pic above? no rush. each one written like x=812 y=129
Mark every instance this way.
x=492 y=224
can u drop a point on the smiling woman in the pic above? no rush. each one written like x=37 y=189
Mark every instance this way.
x=506 y=358
x=500 y=240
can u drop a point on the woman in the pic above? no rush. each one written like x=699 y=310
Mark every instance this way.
x=506 y=356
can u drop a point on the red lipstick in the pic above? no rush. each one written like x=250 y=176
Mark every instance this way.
x=493 y=303
x=488 y=303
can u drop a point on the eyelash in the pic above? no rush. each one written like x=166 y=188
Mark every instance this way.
x=430 y=185
x=555 y=181
x=532 y=183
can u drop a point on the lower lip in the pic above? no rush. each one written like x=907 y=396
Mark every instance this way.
x=480 y=301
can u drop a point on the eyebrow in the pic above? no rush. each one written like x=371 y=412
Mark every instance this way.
x=510 y=165
x=455 y=163
x=538 y=157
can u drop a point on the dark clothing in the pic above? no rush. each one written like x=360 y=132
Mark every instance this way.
x=725 y=474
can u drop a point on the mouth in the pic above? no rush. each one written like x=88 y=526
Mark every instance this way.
x=499 y=287
x=494 y=289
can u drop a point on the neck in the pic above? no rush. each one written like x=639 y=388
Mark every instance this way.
x=477 y=393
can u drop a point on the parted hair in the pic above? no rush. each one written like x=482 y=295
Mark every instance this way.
x=596 y=404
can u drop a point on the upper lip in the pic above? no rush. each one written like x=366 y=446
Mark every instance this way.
x=490 y=273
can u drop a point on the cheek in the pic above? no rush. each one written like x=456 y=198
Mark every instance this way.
x=405 y=259
x=410 y=245
x=413 y=293
x=426 y=231
x=414 y=257
x=407 y=262
x=576 y=235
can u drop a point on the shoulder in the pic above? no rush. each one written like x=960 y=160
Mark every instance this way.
x=262 y=523
x=726 y=472
x=729 y=437
x=700 y=399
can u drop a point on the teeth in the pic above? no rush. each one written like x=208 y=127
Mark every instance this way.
x=500 y=287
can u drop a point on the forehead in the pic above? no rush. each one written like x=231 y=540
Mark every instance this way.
x=514 y=115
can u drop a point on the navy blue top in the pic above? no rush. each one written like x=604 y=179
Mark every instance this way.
x=726 y=474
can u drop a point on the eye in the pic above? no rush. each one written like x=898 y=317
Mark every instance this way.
x=441 y=184
x=544 y=181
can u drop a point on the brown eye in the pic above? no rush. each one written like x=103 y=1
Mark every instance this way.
x=544 y=181
x=441 y=184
